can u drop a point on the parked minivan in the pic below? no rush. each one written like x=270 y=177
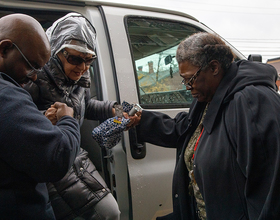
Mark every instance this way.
x=136 y=63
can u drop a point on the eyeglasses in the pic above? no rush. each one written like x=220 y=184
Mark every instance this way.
x=32 y=72
x=189 y=83
x=77 y=60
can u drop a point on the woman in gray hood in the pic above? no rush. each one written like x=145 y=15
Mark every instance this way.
x=65 y=78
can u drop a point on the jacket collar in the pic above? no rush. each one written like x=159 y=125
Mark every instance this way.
x=6 y=77
x=56 y=73
x=218 y=98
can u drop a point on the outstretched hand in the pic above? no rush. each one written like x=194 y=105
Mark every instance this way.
x=134 y=119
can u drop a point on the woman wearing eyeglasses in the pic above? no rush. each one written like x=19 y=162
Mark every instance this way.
x=82 y=193
x=228 y=144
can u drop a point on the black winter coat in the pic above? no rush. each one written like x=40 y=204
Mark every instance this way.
x=82 y=179
x=237 y=161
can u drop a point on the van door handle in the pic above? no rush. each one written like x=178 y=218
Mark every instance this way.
x=138 y=150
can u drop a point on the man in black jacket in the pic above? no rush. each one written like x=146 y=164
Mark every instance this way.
x=33 y=151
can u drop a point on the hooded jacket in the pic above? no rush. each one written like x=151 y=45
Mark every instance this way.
x=82 y=187
x=53 y=85
x=237 y=161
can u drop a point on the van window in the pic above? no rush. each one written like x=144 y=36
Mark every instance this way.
x=153 y=44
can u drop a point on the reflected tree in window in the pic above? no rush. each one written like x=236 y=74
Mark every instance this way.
x=154 y=43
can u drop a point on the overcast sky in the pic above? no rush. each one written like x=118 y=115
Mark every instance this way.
x=252 y=26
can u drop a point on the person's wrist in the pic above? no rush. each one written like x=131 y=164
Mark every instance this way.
x=118 y=110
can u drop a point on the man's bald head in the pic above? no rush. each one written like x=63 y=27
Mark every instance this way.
x=20 y=27
x=28 y=34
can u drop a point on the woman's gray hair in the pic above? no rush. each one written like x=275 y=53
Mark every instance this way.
x=201 y=48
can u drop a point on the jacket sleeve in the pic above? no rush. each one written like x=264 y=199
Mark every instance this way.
x=253 y=124
x=160 y=129
x=30 y=143
x=98 y=110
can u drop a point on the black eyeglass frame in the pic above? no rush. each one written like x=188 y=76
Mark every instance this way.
x=191 y=80
x=32 y=72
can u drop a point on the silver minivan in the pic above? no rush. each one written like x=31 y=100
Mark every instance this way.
x=136 y=63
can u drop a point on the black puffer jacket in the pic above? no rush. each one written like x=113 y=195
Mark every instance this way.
x=82 y=187
x=82 y=179
x=53 y=85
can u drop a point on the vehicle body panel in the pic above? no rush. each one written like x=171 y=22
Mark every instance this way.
x=142 y=187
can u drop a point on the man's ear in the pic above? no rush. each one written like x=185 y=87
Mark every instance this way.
x=215 y=67
x=5 y=45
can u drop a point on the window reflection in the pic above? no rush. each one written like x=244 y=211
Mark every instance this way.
x=154 y=43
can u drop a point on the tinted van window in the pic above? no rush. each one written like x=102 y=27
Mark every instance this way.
x=154 y=43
